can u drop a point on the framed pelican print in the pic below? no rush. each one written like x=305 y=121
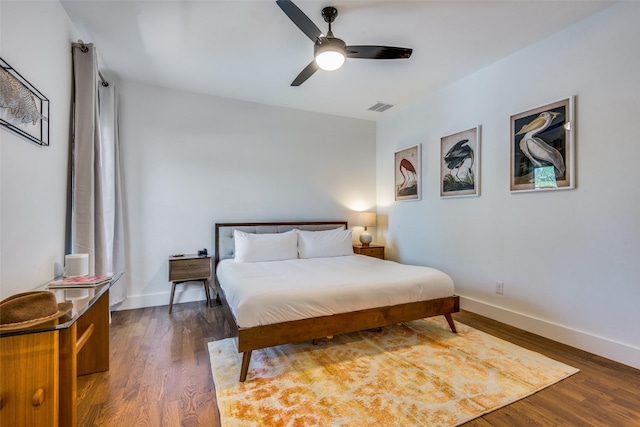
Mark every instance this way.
x=408 y=174
x=543 y=148
x=460 y=164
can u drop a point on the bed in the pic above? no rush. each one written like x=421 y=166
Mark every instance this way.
x=270 y=303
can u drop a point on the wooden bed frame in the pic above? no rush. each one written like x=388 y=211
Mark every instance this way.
x=258 y=337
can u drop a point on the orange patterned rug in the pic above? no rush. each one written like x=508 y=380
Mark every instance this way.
x=414 y=374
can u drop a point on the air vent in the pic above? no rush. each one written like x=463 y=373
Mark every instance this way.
x=380 y=107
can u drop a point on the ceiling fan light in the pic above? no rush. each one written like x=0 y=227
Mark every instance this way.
x=330 y=60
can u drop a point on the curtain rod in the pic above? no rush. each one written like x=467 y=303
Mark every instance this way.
x=84 y=49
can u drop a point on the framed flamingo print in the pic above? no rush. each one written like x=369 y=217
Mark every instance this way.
x=408 y=174
x=460 y=164
x=543 y=148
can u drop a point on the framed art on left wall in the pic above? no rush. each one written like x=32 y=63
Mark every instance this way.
x=24 y=110
x=408 y=174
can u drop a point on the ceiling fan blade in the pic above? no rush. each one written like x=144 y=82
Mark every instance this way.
x=301 y=20
x=378 y=52
x=306 y=73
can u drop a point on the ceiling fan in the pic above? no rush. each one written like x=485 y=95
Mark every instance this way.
x=329 y=51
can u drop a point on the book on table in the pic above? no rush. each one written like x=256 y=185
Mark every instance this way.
x=80 y=281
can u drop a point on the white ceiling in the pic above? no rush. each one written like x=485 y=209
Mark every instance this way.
x=250 y=50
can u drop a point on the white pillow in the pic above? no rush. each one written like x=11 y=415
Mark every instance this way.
x=329 y=243
x=250 y=247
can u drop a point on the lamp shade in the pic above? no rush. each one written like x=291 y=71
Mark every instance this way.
x=330 y=60
x=366 y=219
x=330 y=54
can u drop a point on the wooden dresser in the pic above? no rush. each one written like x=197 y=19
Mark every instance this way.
x=376 y=251
x=39 y=366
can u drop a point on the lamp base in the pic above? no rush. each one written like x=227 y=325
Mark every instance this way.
x=366 y=239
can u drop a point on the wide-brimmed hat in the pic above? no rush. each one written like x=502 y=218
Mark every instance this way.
x=28 y=309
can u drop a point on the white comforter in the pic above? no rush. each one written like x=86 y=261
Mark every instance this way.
x=263 y=293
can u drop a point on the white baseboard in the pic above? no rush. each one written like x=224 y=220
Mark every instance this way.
x=189 y=294
x=617 y=351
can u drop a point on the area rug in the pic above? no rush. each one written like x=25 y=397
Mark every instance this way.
x=413 y=374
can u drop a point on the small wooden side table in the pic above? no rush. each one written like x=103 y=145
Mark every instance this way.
x=189 y=268
x=375 y=251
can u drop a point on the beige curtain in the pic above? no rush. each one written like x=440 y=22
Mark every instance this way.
x=97 y=222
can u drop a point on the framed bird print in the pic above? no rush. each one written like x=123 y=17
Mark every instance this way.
x=408 y=174
x=460 y=164
x=543 y=148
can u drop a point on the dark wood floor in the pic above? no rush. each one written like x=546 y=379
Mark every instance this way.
x=160 y=376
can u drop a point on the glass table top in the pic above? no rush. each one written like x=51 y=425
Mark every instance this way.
x=82 y=299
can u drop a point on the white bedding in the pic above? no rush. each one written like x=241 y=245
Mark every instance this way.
x=263 y=293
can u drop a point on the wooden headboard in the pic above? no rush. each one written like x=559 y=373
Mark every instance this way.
x=225 y=245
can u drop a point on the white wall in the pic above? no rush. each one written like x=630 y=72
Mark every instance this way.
x=193 y=160
x=35 y=39
x=569 y=259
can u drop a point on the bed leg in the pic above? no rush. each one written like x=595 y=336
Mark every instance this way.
x=450 y=322
x=246 y=358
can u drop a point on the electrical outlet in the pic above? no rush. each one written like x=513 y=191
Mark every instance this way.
x=500 y=288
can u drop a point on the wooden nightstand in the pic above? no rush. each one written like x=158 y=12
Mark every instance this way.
x=188 y=268
x=375 y=251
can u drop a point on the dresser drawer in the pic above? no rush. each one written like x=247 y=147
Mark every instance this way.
x=29 y=381
x=189 y=269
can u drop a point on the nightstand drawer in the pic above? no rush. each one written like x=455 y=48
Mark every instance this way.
x=372 y=251
x=189 y=269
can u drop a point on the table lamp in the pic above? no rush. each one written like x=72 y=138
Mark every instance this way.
x=366 y=219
